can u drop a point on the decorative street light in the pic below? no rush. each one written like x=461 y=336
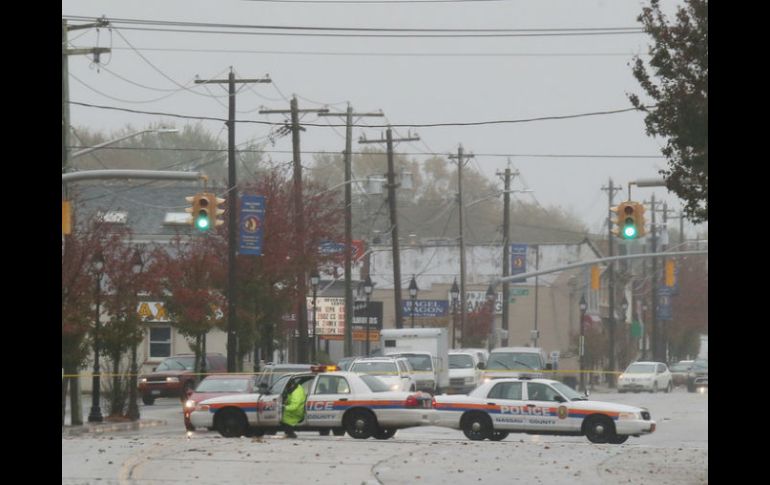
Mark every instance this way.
x=368 y=288
x=581 y=346
x=455 y=293
x=97 y=265
x=491 y=296
x=315 y=279
x=413 y=295
x=133 y=408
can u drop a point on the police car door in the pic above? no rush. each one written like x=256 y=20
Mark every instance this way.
x=543 y=410
x=504 y=404
x=269 y=404
x=328 y=401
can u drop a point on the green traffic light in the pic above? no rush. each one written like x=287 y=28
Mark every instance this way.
x=629 y=232
x=202 y=222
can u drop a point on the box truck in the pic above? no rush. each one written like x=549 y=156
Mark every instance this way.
x=427 y=349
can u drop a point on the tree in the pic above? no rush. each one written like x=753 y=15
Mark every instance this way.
x=678 y=85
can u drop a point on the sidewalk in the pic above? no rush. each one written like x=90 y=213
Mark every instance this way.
x=107 y=426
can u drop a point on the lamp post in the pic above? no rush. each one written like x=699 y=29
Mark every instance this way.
x=97 y=265
x=413 y=295
x=623 y=310
x=133 y=409
x=644 y=331
x=581 y=345
x=455 y=293
x=491 y=296
x=368 y=288
x=314 y=280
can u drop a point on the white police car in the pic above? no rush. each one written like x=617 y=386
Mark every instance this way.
x=538 y=406
x=362 y=405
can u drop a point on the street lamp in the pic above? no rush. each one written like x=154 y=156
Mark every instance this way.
x=644 y=330
x=368 y=288
x=314 y=280
x=581 y=346
x=455 y=293
x=88 y=150
x=133 y=409
x=413 y=295
x=491 y=296
x=97 y=265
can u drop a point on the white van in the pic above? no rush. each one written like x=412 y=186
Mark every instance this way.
x=464 y=371
x=515 y=362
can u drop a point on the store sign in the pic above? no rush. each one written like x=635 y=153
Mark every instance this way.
x=425 y=308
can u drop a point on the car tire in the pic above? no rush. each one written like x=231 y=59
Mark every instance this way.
x=323 y=432
x=618 y=439
x=148 y=400
x=499 y=435
x=338 y=431
x=384 y=433
x=230 y=423
x=669 y=388
x=476 y=426
x=360 y=424
x=598 y=429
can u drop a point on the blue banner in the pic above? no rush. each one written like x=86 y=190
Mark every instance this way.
x=251 y=221
x=664 y=303
x=518 y=261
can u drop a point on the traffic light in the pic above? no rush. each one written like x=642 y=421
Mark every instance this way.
x=216 y=210
x=66 y=217
x=203 y=203
x=630 y=220
x=595 y=277
x=670 y=273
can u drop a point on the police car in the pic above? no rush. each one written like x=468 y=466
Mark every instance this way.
x=362 y=405
x=538 y=406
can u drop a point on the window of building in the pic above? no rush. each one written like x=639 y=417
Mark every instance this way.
x=160 y=342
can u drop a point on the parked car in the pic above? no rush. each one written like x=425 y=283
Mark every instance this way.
x=645 y=376
x=464 y=371
x=698 y=376
x=538 y=406
x=679 y=371
x=217 y=385
x=396 y=373
x=175 y=376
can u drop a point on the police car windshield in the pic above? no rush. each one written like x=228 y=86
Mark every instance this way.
x=513 y=361
x=177 y=363
x=460 y=361
x=374 y=384
x=375 y=368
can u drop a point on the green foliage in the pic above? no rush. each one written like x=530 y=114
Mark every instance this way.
x=677 y=82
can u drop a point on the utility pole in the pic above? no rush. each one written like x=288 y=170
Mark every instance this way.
x=232 y=207
x=506 y=247
x=75 y=403
x=654 y=281
x=299 y=225
x=611 y=189
x=460 y=155
x=349 y=226
x=394 y=219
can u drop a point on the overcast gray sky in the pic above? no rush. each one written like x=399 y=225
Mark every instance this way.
x=412 y=79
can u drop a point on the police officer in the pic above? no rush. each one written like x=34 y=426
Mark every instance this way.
x=293 y=409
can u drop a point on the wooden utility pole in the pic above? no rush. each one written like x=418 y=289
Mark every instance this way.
x=611 y=189
x=232 y=207
x=394 y=219
x=349 y=226
x=299 y=225
x=459 y=157
x=506 y=247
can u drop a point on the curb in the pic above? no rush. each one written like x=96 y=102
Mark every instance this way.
x=110 y=427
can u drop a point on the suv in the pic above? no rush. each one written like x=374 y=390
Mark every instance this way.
x=515 y=362
x=175 y=376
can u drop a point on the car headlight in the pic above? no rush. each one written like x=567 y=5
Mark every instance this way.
x=172 y=379
x=189 y=404
x=629 y=416
x=395 y=387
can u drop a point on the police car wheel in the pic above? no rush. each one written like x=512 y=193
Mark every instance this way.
x=323 y=432
x=498 y=435
x=618 y=439
x=230 y=423
x=338 y=431
x=476 y=426
x=384 y=433
x=360 y=424
x=598 y=429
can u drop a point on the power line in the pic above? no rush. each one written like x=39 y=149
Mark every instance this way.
x=402 y=125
